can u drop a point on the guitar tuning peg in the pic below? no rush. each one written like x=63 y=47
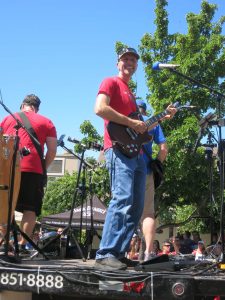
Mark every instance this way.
x=176 y=104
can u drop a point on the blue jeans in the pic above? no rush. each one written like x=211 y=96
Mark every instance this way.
x=127 y=177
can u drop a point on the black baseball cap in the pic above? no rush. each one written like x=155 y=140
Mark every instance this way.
x=128 y=50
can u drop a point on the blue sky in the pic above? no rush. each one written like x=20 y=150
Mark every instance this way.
x=61 y=51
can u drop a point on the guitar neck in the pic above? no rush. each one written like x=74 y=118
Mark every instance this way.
x=156 y=118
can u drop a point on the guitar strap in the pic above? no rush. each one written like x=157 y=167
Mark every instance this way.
x=28 y=126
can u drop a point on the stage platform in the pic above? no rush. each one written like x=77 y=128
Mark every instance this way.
x=77 y=279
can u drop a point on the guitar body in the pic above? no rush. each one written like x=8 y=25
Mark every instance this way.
x=126 y=139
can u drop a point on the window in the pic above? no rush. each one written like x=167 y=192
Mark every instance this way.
x=57 y=167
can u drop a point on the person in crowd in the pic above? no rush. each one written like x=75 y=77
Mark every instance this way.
x=187 y=241
x=200 y=253
x=148 y=216
x=178 y=247
x=134 y=247
x=156 y=248
x=196 y=238
x=59 y=230
x=35 y=236
x=166 y=245
x=32 y=183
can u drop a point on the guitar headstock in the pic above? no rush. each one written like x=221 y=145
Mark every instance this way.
x=186 y=106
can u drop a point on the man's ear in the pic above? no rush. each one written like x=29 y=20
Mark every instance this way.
x=35 y=108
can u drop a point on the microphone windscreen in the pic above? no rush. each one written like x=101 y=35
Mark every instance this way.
x=155 y=66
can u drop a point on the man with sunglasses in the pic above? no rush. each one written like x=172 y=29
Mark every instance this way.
x=115 y=102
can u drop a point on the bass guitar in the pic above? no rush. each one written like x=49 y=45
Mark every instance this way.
x=127 y=140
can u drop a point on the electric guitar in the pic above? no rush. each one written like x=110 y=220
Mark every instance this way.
x=127 y=140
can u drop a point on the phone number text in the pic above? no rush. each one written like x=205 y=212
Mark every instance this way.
x=31 y=280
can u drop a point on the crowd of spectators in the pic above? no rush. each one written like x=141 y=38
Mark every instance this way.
x=182 y=244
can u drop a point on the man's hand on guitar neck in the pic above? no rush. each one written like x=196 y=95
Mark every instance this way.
x=171 y=109
x=171 y=112
x=137 y=125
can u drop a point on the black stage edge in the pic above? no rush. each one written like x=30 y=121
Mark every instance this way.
x=75 y=279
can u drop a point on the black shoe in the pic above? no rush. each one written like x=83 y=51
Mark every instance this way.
x=129 y=262
x=109 y=264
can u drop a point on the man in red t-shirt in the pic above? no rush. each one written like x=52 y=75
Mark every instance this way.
x=114 y=103
x=31 y=185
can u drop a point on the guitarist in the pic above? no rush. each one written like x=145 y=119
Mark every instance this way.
x=32 y=186
x=114 y=103
x=148 y=216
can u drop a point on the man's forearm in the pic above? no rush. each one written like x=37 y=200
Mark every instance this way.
x=49 y=157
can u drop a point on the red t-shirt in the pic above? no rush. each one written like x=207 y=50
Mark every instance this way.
x=42 y=126
x=121 y=100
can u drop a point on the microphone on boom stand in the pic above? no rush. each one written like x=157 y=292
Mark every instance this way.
x=89 y=145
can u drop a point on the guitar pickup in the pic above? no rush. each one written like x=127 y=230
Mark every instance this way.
x=131 y=133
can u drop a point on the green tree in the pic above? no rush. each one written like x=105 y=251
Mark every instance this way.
x=201 y=56
x=61 y=193
x=90 y=135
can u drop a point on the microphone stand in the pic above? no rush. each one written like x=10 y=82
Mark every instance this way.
x=68 y=229
x=61 y=144
x=197 y=82
x=209 y=156
x=197 y=142
x=11 y=221
x=221 y=151
x=92 y=232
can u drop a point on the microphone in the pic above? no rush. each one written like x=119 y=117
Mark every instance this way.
x=95 y=146
x=90 y=145
x=159 y=66
x=73 y=140
x=60 y=140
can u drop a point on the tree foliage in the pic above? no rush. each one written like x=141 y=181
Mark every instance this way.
x=59 y=195
x=201 y=56
x=66 y=192
x=90 y=136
